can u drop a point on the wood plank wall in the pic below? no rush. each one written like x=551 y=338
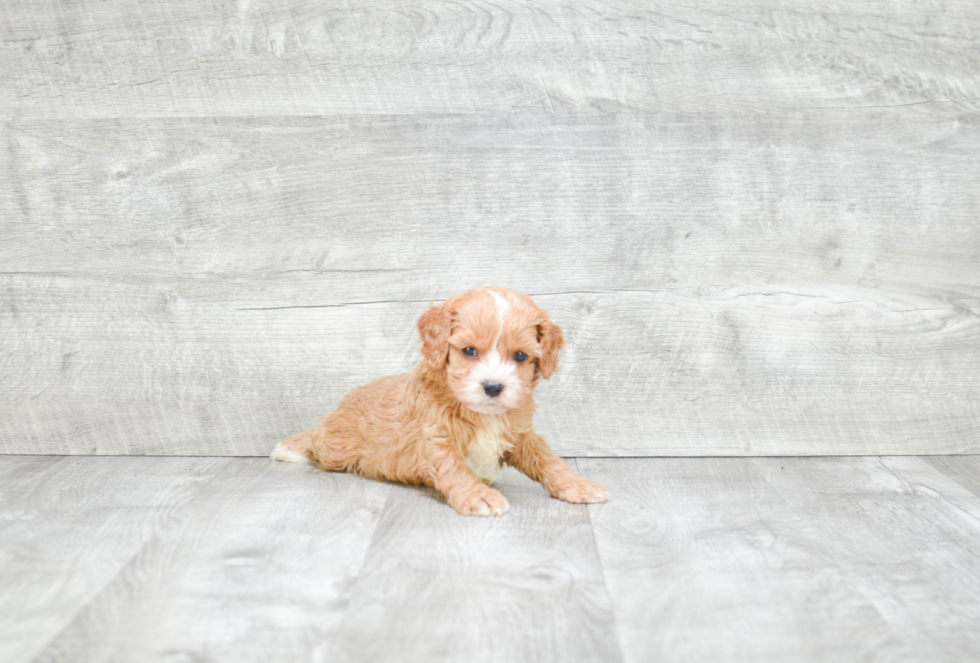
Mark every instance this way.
x=759 y=225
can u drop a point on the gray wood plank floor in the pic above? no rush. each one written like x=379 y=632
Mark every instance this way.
x=720 y=559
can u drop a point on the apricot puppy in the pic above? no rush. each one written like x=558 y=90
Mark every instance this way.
x=462 y=412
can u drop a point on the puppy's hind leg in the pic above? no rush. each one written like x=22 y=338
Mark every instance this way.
x=329 y=446
x=295 y=449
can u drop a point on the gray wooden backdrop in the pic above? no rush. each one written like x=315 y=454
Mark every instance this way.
x=759 y=223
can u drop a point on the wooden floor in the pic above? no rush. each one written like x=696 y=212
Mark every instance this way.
x=710 y=559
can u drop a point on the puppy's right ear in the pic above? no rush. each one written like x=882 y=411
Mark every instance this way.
x=435 y=325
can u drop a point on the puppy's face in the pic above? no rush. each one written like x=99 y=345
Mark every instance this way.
x=493 y=344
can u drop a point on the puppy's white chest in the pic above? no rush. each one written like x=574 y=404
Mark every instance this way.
x=487 y=450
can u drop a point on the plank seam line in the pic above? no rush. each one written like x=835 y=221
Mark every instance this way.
x=602 y=570
x=352 y=585
x=341 y=305
x=426 y=301
x=914 y=103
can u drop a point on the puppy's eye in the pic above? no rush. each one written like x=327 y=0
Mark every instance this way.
x=469 y=352
x=519 y=357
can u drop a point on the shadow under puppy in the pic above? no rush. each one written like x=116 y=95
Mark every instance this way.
x=464 y=410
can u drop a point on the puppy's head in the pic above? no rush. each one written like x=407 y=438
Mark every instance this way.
x=493 y=344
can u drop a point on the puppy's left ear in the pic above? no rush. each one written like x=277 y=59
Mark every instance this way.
x=435 y=325
x=549 y=335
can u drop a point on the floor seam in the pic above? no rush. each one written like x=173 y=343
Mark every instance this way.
x=602 y=569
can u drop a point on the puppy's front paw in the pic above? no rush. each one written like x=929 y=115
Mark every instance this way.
x=479 y=501
x=581 y=491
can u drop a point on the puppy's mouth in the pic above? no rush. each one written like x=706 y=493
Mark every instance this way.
x=491 y=408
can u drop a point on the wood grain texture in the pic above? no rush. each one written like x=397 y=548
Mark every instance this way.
x=257 y=568
x=964 y=470
x=788 y=559
x=216 y=219
x=415 y=207
x=69 y=526
x=720 y=559
x=305 y=57
x=19 y=474
x=435 y=586
x=924 y=527
x=800 y=286
x=919 y=474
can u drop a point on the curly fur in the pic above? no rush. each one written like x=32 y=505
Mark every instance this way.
x=438 y=426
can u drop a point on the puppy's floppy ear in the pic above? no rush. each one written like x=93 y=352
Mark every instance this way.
x=549 y=335
x=435 y=325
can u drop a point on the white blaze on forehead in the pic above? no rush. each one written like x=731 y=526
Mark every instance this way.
x=503 y=307
x=495 y=368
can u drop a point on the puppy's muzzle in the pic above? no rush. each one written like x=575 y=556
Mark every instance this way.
x=492 y=389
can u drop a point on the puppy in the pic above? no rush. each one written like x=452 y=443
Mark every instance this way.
x=464 y=410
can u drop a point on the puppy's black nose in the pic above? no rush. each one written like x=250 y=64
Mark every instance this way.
x=492 y=389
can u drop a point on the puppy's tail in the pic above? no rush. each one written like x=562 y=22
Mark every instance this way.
x=295 y=449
